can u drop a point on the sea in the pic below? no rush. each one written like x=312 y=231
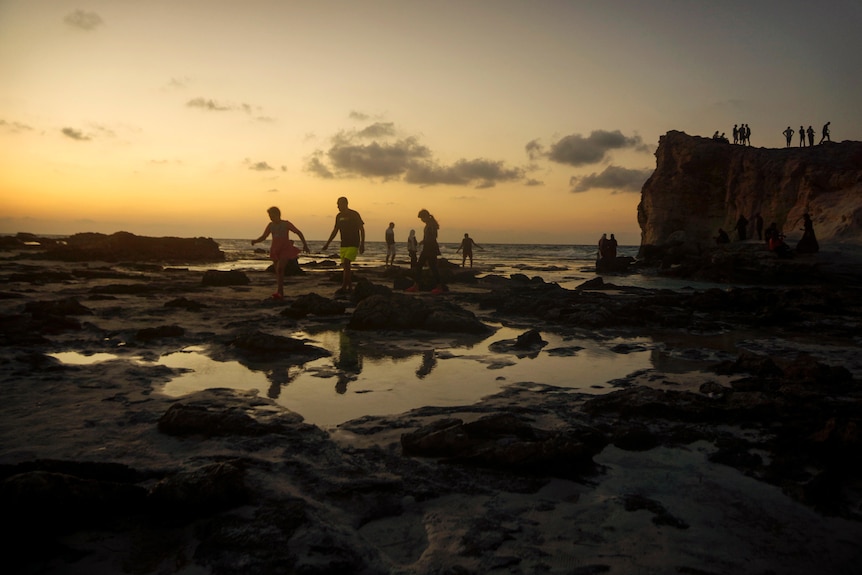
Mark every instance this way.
x=568 y=265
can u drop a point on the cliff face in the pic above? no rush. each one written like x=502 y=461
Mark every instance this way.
x=701 y=185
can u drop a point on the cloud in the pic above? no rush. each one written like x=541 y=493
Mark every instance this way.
x=614 y=178
x=83 y=20
x=208 y=104
x=14 y=127
x=259 y=166
x=352 y=155
x=75 y=134
x=577 y=150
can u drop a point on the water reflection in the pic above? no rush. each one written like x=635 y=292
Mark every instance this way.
x=377 y=373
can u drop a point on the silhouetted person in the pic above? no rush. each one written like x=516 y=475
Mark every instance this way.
x=741 y=228
x=390 y=244
x=722 y=237
x=735 y=134
x=603 y=246
x=282 y=249
x=825 y=133
x=412 y=248
x=612 y=247
x=747 y=135
x=775 y=241
x=810 y=133
x=758 y=225
x=808 y=244
x=801 y=136
x=466 y=249
x=352 y=229
x=430 y=251
x=788 y=133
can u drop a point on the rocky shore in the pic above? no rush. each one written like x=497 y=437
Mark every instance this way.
x=748 y=462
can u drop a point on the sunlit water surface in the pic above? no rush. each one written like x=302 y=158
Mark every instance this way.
x=351 y=383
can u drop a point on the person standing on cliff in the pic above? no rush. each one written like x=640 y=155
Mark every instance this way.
x=352 y=229
x=735 y=134
x=801 y=136
x=810 y=133
x=747 y=135
x=825 y=133
x=788 y=133
x=282 y=249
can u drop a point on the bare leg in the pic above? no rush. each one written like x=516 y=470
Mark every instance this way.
x=345 y=281
x=279 y=276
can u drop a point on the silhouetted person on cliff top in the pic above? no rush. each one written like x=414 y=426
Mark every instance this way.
x=825 y=133
x=741 y=228
x=801 y=136
x=810 y=133
x=735 y=134
x=788 y=133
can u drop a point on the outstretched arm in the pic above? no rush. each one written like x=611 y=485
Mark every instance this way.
x=263 y=236
x=305 y=247
x=332 y=235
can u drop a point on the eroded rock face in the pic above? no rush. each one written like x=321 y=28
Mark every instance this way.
x=701 y=185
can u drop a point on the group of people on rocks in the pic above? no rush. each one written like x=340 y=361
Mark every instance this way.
x=773 y=237
x=824 y=135
x=349 y=224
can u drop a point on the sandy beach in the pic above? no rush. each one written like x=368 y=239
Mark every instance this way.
x=720 y=434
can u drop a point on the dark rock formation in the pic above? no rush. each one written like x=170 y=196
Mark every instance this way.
x=123 y=246
x=400 y=311
x=700 y=185
x=224 y=278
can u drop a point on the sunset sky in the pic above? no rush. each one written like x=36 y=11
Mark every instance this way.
x=516 y=121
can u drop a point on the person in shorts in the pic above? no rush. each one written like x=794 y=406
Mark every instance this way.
x=349 y=224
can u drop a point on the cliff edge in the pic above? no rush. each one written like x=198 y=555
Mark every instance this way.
x=700 y=185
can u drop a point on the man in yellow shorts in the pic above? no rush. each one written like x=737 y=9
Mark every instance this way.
x=349 y=223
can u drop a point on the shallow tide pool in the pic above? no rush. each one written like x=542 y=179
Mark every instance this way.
x=362 y=378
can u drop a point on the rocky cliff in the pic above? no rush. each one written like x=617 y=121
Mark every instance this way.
x=700 y=185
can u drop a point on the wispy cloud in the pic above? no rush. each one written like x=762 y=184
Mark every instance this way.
x=83 y=20
x=211 y=105
x=75 y=134
x=614 y=178
x=14 y=127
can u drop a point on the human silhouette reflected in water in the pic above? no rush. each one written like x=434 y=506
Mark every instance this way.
x=280 y=377
x=429 y=362
x=348 y=362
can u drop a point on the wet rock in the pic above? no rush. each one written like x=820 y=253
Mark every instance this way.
x=162 y=331
x=214 y=420
x=505 y=441
x=401 y=311
x=203 y=491
x=528 y=344
x=265 y=346
x=62 y=307
x=313 y=303
x=218 y=278
x=186 y=304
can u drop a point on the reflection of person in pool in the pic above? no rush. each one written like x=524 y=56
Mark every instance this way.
x=429 y=361
x=348 y=362
x=279 y=378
